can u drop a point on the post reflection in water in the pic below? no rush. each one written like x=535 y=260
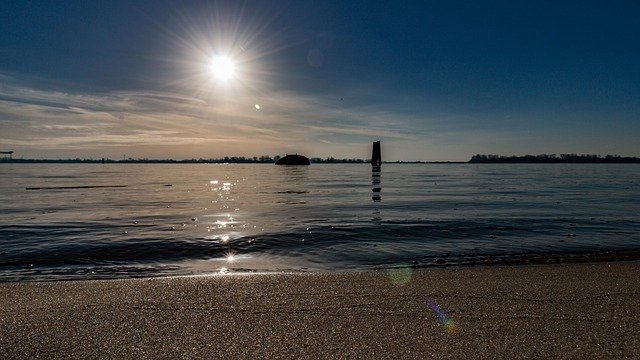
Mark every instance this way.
x=375 y=182
x=376 y=163
x=376 y=189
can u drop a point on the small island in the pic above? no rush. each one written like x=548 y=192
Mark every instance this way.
x=293 y=160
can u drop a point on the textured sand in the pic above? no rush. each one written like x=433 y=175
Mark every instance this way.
x=553 y=311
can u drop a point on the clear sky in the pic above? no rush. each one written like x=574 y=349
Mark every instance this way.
x=434 y=80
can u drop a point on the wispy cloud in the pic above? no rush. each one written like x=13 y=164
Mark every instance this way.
x=37 y=121
x=34 y=118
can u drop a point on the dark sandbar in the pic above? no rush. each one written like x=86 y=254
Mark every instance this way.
x=75 y=187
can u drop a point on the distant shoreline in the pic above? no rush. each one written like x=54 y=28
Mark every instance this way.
x=475 y=159
x=553 y=159
x=91 y=161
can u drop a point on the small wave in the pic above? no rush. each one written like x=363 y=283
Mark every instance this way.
x=360 y=245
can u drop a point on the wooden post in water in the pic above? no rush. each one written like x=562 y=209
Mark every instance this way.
x=376 y=157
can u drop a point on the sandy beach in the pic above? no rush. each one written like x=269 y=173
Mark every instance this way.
x=540 y=311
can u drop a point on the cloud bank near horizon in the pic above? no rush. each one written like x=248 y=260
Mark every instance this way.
x=37 y=122
x=34 y=121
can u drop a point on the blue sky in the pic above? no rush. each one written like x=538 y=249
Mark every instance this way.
x=434 y=80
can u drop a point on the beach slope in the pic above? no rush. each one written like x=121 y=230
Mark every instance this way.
x=558 y=311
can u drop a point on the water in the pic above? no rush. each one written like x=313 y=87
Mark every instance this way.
x=174 y=219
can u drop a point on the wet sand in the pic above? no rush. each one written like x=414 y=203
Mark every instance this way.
x=559 y=311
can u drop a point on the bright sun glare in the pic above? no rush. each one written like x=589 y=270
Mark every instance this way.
x=223 y=68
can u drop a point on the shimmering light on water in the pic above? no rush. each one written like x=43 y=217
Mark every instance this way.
x=319 y=217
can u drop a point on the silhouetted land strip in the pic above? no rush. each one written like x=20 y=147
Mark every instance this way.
x=475 y=159
x=552 y=158
x=224 y=160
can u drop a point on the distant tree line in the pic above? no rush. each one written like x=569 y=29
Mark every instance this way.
x=552 y=158
x=331 y=160
x=264 y=159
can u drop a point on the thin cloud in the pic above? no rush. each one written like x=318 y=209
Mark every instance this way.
x=37 y=118
x=217 y=124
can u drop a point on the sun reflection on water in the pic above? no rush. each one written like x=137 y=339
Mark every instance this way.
x=224 y=216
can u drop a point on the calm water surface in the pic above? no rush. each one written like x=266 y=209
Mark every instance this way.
x=170 y=219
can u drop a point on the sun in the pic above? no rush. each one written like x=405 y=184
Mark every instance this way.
x=223 y=68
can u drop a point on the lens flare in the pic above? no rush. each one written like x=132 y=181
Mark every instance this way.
x=400 y=276
x=449 y=325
